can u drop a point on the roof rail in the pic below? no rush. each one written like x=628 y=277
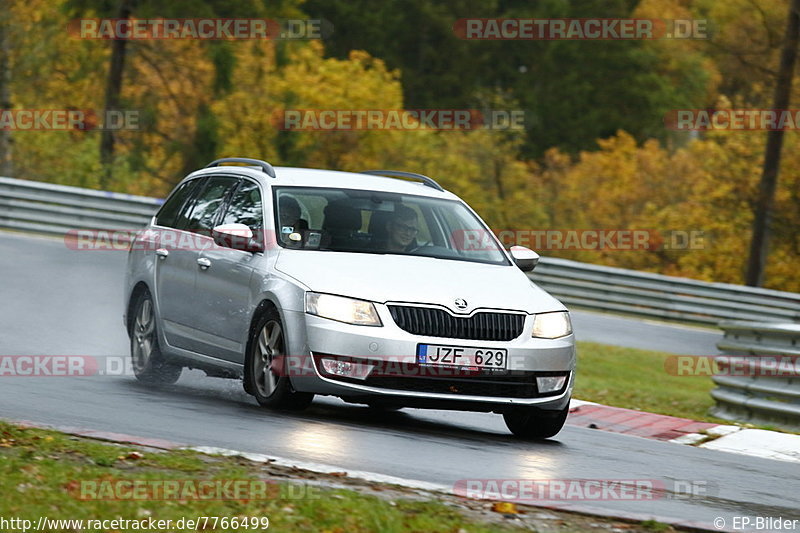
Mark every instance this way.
x=266 y=167
x=430 y=182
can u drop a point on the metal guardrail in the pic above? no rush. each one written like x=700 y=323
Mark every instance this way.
x=56 y=209
x=654 y=295
x=767 y=394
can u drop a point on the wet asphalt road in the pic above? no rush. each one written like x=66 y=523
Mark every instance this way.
x=61 y=302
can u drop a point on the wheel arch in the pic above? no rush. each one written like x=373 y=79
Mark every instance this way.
x=266 y=304
x=263 y=306
x=138 y=289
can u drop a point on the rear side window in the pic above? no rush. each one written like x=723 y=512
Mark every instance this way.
x=207 y=204
x=168 y=213
x=245 y=207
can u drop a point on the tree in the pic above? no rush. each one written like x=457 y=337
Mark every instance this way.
x=573 y=92
x=6 y=162
x=759 y=243
x=200 y=144
x=113 y=90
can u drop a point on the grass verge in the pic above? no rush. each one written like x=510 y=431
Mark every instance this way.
x=638 y=379
x=49 y=474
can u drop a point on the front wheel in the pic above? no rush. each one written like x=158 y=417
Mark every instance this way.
x=535 y=424
x=266 y=362
x=149 y=364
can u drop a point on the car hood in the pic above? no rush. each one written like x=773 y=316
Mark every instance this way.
x=398 y=278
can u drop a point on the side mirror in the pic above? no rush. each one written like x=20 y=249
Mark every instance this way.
x=237 y=237
x=525 y=258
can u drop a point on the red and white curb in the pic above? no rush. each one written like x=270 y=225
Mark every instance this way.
x=726 y=438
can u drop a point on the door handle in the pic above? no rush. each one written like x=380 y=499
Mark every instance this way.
x=162 y=253
x=203 y=262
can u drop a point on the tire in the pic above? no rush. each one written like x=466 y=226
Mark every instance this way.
x=535 y=424
x=271 y=389
x=149 y=364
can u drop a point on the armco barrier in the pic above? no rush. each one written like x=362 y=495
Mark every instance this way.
x=760 y=399
x=667 y=297
x=56 y=209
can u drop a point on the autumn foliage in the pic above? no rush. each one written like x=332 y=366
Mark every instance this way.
x=200 y=100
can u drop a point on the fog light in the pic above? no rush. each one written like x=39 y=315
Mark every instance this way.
x=346 y=369
x=550 y=383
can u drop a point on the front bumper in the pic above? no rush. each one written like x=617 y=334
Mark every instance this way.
x=389 y=345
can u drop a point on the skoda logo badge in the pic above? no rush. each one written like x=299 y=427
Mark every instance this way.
x=461 y=303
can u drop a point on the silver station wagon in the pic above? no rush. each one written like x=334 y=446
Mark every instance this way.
x=378 y=287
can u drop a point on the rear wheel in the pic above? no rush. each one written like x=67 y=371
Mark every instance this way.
x=535 y=424
x=149 y=364
x=265 y=374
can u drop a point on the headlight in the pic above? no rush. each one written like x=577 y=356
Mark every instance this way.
x=343 y=309
x=552 y=325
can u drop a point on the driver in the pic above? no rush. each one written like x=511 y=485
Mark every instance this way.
x=289 y=213
x=402 y=230
x=291 y=223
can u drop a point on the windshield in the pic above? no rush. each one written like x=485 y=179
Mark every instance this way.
x=347 y=220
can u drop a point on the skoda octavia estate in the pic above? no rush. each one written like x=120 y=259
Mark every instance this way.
x=378 y=287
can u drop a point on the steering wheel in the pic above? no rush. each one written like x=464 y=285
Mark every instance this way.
x=423 y=245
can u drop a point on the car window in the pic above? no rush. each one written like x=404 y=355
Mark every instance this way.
x=245 y=207
x=207 y=204
x=462 y=234
x=168 y=213
x=182 y=220
x=347 y=220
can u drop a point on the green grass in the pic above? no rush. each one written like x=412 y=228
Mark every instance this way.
x=653 y=525
x=637 y=379
x=41 y=472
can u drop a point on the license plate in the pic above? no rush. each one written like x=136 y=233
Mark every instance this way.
x=461 y=356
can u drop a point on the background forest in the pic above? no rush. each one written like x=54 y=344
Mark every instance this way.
x=595 y=153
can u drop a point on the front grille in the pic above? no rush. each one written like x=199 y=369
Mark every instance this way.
x=482 y=326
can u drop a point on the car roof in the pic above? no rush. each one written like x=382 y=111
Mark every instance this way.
x=312 y=177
